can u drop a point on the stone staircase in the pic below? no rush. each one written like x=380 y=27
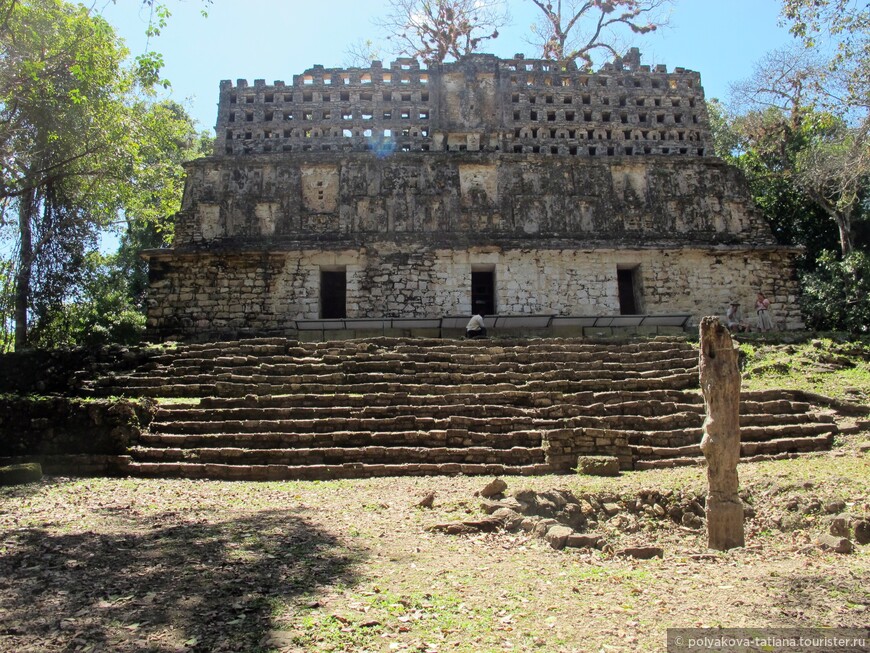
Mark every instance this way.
x=272 y=408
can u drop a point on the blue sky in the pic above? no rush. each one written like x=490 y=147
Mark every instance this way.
x=276 y=39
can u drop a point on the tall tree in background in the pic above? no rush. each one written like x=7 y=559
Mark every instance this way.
x=436 y=30
x=77 y=140
x=792 y=215
x=168 y=139
x=804 y=126
x=846 y=23
x=835 y=168
x=575 y=30
x=107 y=301
x=782 y=123
x=64 y=124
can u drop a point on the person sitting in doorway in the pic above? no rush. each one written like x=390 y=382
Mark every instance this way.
x=733 y=319
x=475 y=327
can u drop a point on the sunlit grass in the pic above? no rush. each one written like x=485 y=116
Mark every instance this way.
x=828 y=366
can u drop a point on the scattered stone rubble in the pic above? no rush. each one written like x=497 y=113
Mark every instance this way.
x=565 y=520
x=845 y=525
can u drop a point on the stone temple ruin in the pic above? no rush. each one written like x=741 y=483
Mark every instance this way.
x=398 y=196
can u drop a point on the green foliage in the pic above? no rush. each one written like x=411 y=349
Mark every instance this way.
x=837 y=293
x=793 y=217
x=62 y=91
x=847 y=23
x=725 y=139
x=82 y=145
x=765 y=146
x=100 y=313
x=66 y=106
x=165 y=138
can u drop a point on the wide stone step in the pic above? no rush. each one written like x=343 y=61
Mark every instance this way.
x=627 y=402
x=592 y=415
x=749 y=452
x=422 y=343
x=750 y=434
x=821 y=442
x=774 y=407
x=411 y=362
x=166 y=390
x=424 y=351
x=516 y=456
x=491 y=425
x=276 y=440
x=800 y=417
x=623 y=422
x=323 y=472
x=338 y=411
x=640 y=428
x=680 y=381
x=645 y=441
x=422 y=373
x=312 y=378
x=490 y=419
x=481 y=374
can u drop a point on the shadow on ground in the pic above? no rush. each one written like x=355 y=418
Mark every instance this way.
x=809 y=592
x=180 y=587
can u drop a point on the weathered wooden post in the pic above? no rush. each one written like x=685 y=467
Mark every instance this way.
x=720 y=384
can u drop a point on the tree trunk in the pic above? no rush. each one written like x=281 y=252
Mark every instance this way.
x=844 y=225
x=720 y=384
x=26 y=205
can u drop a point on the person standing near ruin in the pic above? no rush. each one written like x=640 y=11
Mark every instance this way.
x=476 y=328
x=762 y=309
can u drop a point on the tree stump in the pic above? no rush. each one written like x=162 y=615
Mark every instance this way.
x=720 y=384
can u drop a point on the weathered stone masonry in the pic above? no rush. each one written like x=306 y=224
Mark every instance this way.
x=406 y=181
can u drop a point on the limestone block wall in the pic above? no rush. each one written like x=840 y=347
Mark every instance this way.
x=465 y=198
x=479 y=103
x=213 y=293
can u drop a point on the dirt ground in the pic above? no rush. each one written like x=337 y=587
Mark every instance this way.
x=158 y=565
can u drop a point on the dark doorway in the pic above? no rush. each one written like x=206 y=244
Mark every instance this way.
x=625 y=280
x=483 y=292
x=333 y=288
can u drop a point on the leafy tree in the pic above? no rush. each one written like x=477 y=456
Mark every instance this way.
x=105 y=300
x=834 y=170
x=79 y=145
x=794 y=218
x=725 y=138
x=836 y=296
x=167 y=139
x=807 y=159
x=576 y=30
x=64 y=127
x=817 y=152
x=436 y=30
x=100 y=312
x=847 y=23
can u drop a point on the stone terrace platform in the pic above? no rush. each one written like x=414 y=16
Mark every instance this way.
x=272 y=408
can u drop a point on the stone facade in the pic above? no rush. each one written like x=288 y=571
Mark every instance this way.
x=481 y=104
x=569 y=193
